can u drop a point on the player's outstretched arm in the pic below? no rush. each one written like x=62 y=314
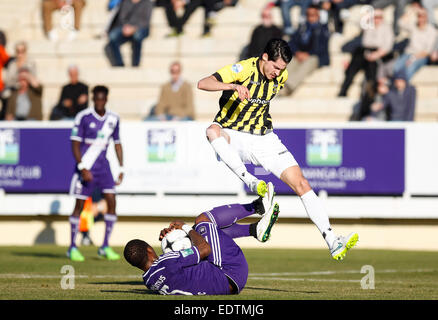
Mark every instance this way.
x=210 y=83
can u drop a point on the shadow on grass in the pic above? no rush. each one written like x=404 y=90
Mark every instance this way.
x=279 y=290
x=127 y=283
x=135 y=291
x=39 y=255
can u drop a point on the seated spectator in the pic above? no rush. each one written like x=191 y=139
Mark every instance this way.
x=176 y=98
x=4 y=58
x=430 y=6
x=420 y=46
x=129 y=23
x=309 y=45
x=17 y=62
x=211 y=7
x=285 y=6
x=376 y=47
x=434 y=55
x=399 y=102
x=49 y=6
x=261 y=35
x=25 y=102
x=338 y=11
x=399 y=9
x=74 y=97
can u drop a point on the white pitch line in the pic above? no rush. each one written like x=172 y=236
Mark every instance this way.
x=271 y=275
x=329 y=272
x=300 y=279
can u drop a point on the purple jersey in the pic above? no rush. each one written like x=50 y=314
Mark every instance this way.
x=94 y=133
x=183 y=273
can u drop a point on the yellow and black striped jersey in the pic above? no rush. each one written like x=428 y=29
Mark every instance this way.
x=251 y=115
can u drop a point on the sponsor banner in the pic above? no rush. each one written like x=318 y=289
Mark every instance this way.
x=158 y=158
x=177 y=158
x=35 y=160
x=171 y=158
x=345 y=161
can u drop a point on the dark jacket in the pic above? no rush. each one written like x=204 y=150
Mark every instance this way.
x=260 y=37
x=138 y=14
x=35 y=96
x=400 y=106
x=312 y=39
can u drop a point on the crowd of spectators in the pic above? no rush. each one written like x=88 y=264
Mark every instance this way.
x=389 y=55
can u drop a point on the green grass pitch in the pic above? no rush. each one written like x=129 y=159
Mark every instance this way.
x=35 y=273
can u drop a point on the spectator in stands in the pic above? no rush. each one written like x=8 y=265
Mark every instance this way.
x=430 y=6
x=176 y=98
x=420 y=46
x=211 y=7
x=434 y=55
x=338 y=11
x=19 y=61
x=376 y=46
x=74 y=97
x=49 y=6
x=25 y=102
x=399 y=9
x=399 y=102
x=261 y=35
x=4 y=58
x=309 y=44
x=285 y=6
x=129 y=23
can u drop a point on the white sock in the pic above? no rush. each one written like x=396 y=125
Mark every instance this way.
x=232 y=160
x=318 y=215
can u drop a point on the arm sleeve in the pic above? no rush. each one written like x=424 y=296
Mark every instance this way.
x=233 y=73
x=411 y=106
x=189 y=257
x=189 y=102
x=77 y=133
x=162 y=102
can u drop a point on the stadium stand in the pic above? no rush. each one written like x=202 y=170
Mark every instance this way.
x=135 y=91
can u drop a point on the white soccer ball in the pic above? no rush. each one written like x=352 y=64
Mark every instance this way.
x=175 y=240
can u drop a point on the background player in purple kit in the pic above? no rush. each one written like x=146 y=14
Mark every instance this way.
x=214 y=265
x=93 y=129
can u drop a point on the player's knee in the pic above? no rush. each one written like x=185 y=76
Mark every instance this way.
x=302 y=186
x=213 y=132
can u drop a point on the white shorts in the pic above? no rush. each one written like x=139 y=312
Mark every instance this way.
x=267 y=151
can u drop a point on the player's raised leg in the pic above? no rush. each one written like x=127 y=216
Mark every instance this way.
x=338 y=246
x=110 y=219
x=218 y=140
x=225 y=217
x=73 y=253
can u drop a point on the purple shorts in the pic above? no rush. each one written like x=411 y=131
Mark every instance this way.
x=226 y=254
x=102 y=180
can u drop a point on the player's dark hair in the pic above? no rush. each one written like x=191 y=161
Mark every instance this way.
x=100 y=88
x=278 y=48
x=136 y=253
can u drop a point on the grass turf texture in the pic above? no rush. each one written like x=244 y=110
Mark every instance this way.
x=35 y=273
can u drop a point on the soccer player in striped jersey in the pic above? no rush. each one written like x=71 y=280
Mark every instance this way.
x=214 y=264
x=93 y=129
x=242 y=131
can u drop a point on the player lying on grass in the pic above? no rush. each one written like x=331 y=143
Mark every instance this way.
x=215 y=264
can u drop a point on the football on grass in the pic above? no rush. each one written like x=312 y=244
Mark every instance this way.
x=175 y=240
